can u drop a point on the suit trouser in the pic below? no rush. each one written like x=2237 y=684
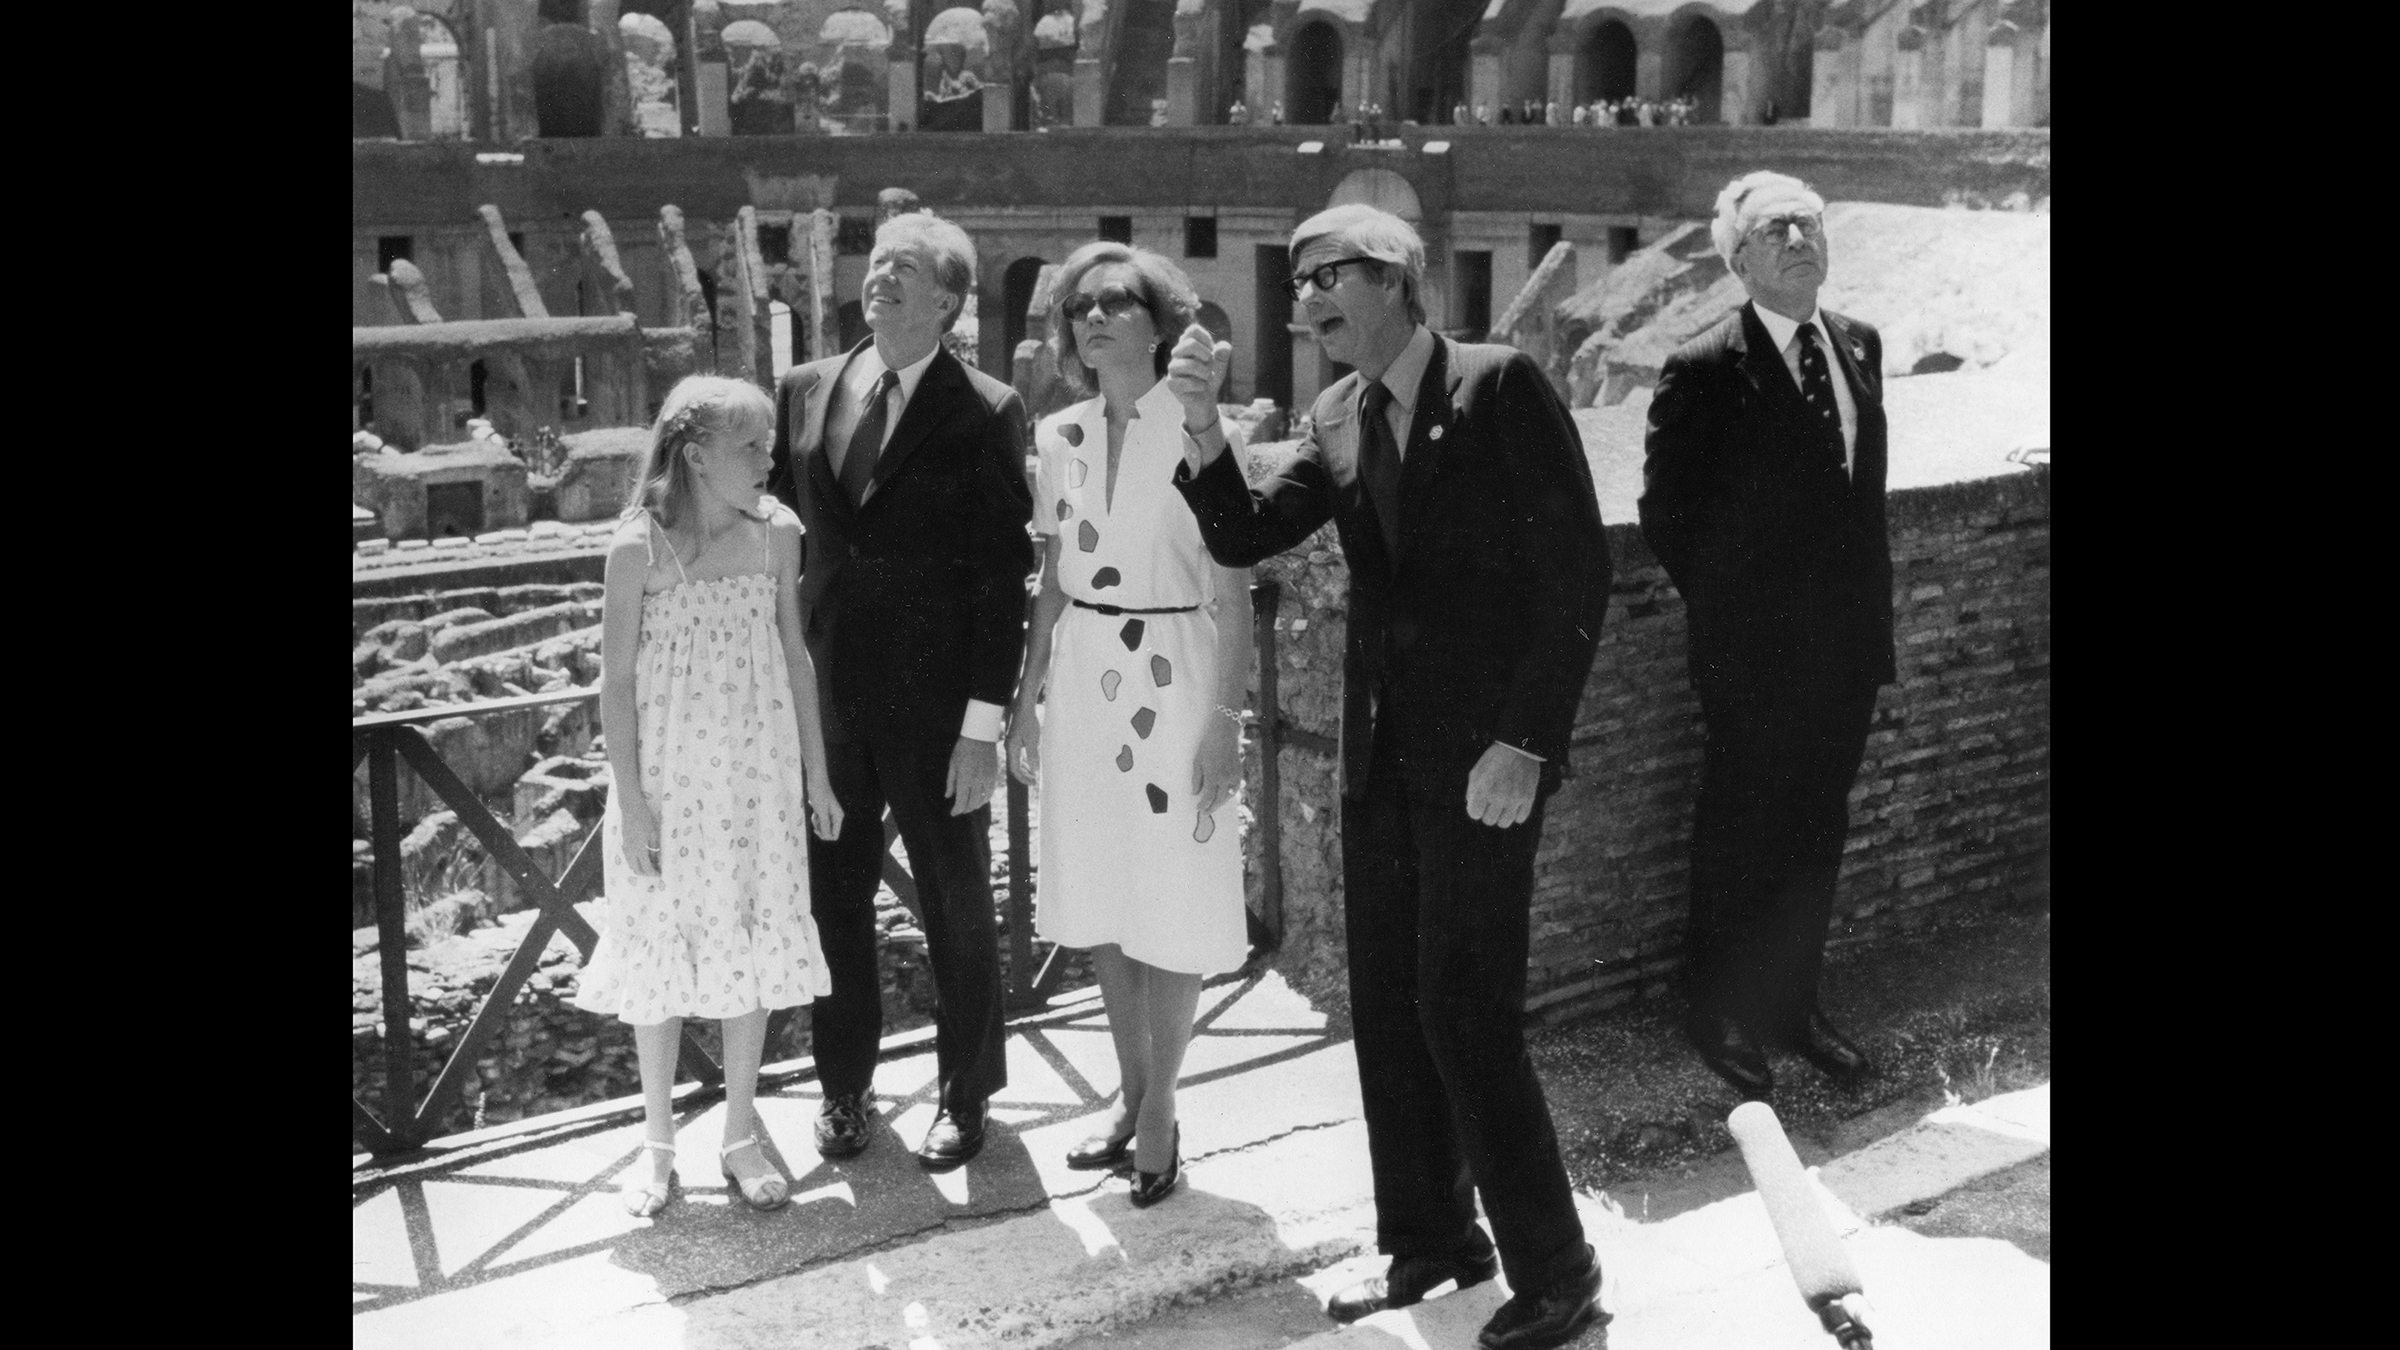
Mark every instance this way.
x=1438 y=908
x=1767 y=837
x=950 y=857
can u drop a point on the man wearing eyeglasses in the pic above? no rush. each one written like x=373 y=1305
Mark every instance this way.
x=1478 y=579
x=1763 y=496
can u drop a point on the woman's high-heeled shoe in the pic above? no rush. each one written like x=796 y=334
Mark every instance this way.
x=644 y=1199
x=1101 y=1151
x=1151 y=1187
x=771 y=1192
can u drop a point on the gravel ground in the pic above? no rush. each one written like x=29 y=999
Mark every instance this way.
x=1963 y=1007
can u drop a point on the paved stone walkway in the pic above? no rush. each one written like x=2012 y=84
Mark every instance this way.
x=517 y=1238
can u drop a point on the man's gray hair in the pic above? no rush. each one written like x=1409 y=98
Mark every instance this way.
x=953 y=254
x=1734 y=216
x=1392 y=242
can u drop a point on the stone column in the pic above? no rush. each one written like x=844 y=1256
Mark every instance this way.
x=1650 y=58
x=1561 y=87
x=1091 y=90
x=512 y=25
x=405 y=79
x=900 y=87
x=753 y=313
x=1484 y=56
x=616 y=84
x=1833 y=81
x=1734 y=90
x=824 y=307
x=1356 y=59
x=1911 y=88
x=710 y=73
x=686 y=301
x=1262 y=82
x=1183 y=73
x=2011 y=61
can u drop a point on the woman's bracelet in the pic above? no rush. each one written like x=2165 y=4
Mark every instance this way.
x=1238 y=721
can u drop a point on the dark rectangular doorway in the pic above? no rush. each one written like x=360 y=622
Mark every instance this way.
x=1273 y=305
x=453 y=509
x=1473 y=316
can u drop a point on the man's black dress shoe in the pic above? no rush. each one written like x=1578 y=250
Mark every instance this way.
x=1537 y=1319
x=1407 y=1281
x=1729 y=1052
x=1822 y=1045
x=954 y=1138
x=842 y=1125
x=1100 y=1151
x=1151 y=1187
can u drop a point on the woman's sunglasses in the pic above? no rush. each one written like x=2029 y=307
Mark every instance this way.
x=1115 y=301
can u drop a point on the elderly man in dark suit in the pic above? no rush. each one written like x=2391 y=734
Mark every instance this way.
x=1478 y=579
x=908 y=470
x=1763 y=496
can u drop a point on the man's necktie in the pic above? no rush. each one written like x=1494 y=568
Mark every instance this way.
x=1379 y=463
x=858 y=462
x=1816 y=388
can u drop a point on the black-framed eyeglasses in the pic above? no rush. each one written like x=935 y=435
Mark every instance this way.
x=1117 y=301
x=1323 y=278
x=1776 y=229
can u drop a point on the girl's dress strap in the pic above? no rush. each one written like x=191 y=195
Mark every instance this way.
x=670 y=549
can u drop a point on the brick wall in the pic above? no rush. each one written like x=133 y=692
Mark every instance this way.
x=1950 y=809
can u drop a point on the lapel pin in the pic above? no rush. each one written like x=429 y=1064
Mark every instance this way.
x=1435 y=434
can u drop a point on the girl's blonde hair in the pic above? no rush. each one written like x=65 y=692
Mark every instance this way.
x=698 y=407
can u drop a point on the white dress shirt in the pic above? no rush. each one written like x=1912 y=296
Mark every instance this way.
x=850 y=398
x=1787 y=341
x=982 y=720
x=1406 y=372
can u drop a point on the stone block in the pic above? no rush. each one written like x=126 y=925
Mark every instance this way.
x=400 y=487
x=598 y=480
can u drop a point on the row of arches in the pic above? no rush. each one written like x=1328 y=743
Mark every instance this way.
x=1606 y=67
x=569 y=65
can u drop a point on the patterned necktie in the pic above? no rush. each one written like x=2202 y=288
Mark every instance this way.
x=858 y=462
x=1379 y=463
x=1816 y=388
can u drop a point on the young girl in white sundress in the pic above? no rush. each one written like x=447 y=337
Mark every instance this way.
x=709 y=706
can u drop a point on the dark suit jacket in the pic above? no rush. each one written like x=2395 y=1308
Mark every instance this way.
x=1782 y=560
x=915 y=602
x=1483 y=629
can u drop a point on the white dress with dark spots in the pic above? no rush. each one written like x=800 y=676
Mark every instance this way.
x=1125 y=855
x=725 y=927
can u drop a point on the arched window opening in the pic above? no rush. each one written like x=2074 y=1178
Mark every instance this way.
x=1696 y=68
x=1313 y=84
x=1604 y=65
x=1016 y=298
x=650 y=66
x=567 y=63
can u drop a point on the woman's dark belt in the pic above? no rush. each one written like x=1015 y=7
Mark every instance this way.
x=1121 y=609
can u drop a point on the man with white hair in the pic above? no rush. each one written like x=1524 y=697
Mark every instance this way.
x=1763 y=497
x=1478 y=580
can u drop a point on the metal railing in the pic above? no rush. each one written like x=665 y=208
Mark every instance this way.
x=383 y=741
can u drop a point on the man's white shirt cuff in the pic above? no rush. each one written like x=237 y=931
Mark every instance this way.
x=1538 y=759
x=982 y=722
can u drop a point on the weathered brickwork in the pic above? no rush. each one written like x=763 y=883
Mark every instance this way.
x=1950 y=808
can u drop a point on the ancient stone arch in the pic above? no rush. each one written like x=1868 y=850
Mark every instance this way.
x=1695 y=63
x=854 y=59
x=1385 y=189
x=1607 y=56
x=569 y=63
x=1312 y=75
